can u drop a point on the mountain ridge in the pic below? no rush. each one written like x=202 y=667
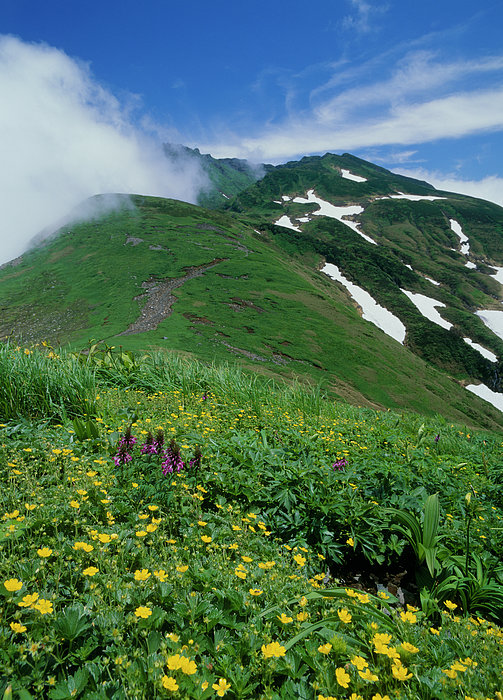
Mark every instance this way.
x=265 y=303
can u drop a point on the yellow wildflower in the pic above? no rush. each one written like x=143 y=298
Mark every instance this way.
x=344 y=616
x=221 y=687
x=169 y=683
x=284 y=618
x=342 y=677
x=28 y=600
x=17 y=627
x=359 y=662
x=43 y=606
x=13 y=585
x=142 y=575
x=273 y=649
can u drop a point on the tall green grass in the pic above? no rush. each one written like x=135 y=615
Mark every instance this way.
x=161 y=371
x=40 y=384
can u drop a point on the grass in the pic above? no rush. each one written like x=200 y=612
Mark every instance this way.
x=248 y=573
x=40 y=385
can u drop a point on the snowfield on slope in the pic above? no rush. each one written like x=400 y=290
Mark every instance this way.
x=493 y=320
x=327 y=209
x=483 y=351
x=483 y=392
x=372 y=311
x=351 y=176
x=426 y=305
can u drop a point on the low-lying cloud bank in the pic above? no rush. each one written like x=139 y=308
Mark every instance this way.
x=63 y=138
x=490 y=188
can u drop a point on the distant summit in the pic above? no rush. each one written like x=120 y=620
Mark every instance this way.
x=227 y=177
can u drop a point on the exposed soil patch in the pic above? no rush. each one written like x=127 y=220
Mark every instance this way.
x=238 y=304
x=194 y=318
x=132 y=240
x=160 y=298
x=277 y=359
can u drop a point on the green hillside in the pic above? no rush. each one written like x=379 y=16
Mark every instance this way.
x=175 y=276
x=415 y=244
x=230 y=283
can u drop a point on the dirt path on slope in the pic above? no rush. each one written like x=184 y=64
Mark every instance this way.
x=160 y=298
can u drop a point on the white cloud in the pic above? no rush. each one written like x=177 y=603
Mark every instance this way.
x=63 y=138
x=448 y=117
x=423 y=98
x=490 y=188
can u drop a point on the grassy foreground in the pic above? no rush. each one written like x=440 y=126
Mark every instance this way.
x=170 y=529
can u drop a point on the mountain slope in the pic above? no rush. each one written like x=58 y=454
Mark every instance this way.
x=397 y=238
x=173 y=275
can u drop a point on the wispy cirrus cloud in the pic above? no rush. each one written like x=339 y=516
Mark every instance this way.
x=363 y=16
x=423 y=98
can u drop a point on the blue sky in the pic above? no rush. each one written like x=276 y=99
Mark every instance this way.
x=414 y=87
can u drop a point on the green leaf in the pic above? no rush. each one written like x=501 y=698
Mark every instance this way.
x=72 y=623
x=431 y=520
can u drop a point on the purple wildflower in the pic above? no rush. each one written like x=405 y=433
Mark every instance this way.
x=122 y=457
x=340 y=464
x=437 y=437
x=172 y=462
x=148 y=446
x=127 y=440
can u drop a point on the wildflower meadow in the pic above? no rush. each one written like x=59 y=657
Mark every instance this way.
x=170 y=529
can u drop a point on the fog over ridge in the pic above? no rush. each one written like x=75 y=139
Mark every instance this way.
x=65 y=138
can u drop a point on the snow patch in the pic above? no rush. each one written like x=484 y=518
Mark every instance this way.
x=487 y=394
x=327 y=209
x=493 y=320
x=498 y=275
x=350 y=176
x=426 y=306
x=483 y=351
x=372 y=311
x=224 y=195
x=413 y=197
x=470 y=265
x=437 y=284
x=464 y=240
x=285 y=198
x=286 y=223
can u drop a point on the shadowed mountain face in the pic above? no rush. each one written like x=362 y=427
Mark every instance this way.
x=245 y=283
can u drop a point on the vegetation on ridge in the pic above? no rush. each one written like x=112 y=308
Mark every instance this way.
x=263 y=302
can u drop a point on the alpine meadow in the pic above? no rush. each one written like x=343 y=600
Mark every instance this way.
x=252 y=447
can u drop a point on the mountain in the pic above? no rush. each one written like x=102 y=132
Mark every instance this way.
x=244 y=283
x=226 y=177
